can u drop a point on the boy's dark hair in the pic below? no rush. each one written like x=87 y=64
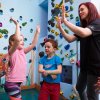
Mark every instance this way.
x=53 y=42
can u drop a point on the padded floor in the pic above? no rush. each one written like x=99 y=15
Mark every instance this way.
x=31 y=94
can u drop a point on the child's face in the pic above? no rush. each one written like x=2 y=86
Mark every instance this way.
x=49 y=49
x=21 y=45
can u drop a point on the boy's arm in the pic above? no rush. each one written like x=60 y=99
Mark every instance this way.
x=35 y=39
x=54 y=76
x=54 y=72
x=40 y=68
x=16 y=37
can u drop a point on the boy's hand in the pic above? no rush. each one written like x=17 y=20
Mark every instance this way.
x=54 y=76
x=44 y=73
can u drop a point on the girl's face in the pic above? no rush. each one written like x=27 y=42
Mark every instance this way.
x=21 y=44
x=83 y=12
x=49 y=49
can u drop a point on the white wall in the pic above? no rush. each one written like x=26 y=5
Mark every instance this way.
x=97 y=4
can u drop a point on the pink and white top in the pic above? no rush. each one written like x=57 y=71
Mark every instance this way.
x=17 y=71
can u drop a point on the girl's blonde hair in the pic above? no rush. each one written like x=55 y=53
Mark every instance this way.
x=11 y=39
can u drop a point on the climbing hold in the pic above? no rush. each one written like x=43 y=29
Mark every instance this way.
x=56 y=33
x=41 y=54
x=4 y=31
x=77 y=18
x=12 y=10
x=25 y=39
x=71 y=1
x=66 y=15
x=5 y=48
x=71 y=8
x=30 y=60
x=6 y=36
x=59 y=46
x=0 y=24
x=66 y=55
x=51 y=36
x=61 y=52
x=24 y=24
x=71 y=16
x=31 y=30
x=60 y=35
x=34 y=48
x=1 y=12
x=1 y=35
x=62 y=59
x=20 y=17
x=67 y=47
x=31 y=20
x=77 y=23
x=66 y=30
x=66 y=8
x=52 y=31
x=52 y=3
x=49 y=29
